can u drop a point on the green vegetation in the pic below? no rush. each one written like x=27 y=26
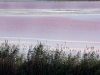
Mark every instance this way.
x=42 y=61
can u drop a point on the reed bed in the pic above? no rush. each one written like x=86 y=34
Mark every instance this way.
x=43 y=61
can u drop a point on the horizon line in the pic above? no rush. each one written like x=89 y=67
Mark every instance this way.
x=66 y=41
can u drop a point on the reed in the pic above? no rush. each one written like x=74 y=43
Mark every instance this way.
x=43 y=61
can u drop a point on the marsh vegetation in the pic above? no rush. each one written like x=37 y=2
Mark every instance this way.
x=42 y=61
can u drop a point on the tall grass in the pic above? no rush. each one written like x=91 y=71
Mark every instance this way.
x=42 y=61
